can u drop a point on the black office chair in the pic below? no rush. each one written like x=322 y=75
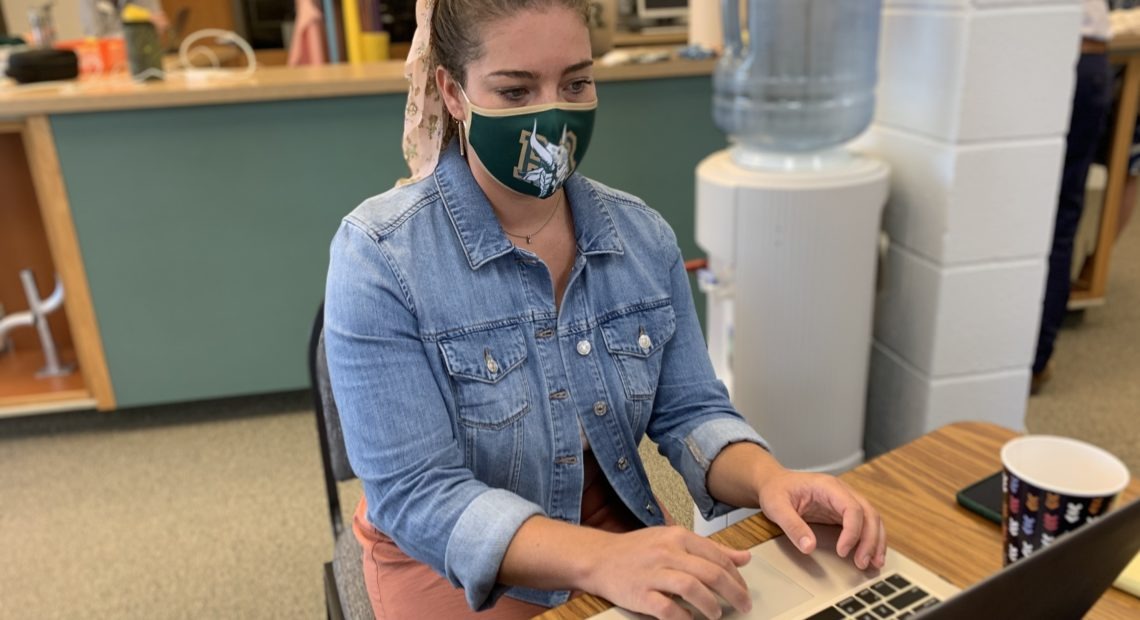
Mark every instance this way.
x=345 y=593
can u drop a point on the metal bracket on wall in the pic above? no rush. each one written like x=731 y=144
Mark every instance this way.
x=5 y=341
x=36 y=316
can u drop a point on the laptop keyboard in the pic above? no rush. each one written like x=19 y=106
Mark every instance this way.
x=891 y=597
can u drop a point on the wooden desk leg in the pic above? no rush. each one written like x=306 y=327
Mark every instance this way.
x=1117 y=176
x=60 y=228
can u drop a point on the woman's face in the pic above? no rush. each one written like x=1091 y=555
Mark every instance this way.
x=533 y=58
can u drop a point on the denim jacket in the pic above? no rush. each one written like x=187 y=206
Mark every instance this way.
x=461 y=387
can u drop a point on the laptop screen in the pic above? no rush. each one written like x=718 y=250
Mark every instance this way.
x=1062 y=580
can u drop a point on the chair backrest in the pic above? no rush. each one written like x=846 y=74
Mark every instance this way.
x=334 y=458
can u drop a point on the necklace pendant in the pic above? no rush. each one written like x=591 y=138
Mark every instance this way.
x=528 y=240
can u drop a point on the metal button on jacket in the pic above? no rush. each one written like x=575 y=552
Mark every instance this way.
x=644 y=341
x=623 y=464
x=584 y=347
x=600 y=408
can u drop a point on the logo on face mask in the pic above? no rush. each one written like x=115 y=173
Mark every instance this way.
x=542 y=163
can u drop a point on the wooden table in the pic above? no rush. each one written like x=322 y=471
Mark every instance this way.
x=919 y=479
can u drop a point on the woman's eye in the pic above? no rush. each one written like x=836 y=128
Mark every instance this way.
x=579 y=86
x=512 y=94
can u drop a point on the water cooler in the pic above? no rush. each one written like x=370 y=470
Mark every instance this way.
x=790 y=222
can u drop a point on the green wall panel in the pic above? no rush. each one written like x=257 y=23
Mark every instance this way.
x=649 y=137
x=205 y=230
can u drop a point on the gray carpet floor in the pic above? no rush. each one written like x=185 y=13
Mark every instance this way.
x=1095 y=391
x=216 y=510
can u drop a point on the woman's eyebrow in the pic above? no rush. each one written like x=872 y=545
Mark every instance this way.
x=514 y=73
x=520 y=74
x=578 y=66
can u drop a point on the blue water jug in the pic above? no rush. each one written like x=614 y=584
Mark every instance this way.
x=800 y=77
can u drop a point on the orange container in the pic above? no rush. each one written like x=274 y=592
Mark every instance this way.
x=97 y=56
x=114 y=52
x=90 y=58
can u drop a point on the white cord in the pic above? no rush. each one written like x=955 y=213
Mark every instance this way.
x=221 y=36
x=187 y=51
x=211 y=56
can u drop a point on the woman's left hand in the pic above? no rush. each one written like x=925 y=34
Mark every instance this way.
x=791 y=499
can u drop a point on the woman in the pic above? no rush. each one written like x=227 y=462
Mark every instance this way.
x=501 y=334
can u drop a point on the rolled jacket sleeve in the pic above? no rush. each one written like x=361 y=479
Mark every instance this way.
x=693 y=419
x=397 y=430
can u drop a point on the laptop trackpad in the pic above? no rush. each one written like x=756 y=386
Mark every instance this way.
x=772 y=591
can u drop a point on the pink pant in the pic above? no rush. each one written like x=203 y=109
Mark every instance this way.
x=400 y=587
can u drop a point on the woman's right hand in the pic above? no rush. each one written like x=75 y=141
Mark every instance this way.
x=644 y=569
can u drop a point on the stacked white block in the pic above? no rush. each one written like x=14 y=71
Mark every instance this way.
x=978 y=73
x=973 y=107
x=958 y=203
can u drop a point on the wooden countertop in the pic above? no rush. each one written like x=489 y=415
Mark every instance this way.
x=283 y=83
x=266 y=84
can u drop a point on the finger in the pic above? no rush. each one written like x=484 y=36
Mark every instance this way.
x=739 y=557
x=881 y=551
x=869 y=537
x=853 y=519
x=709 y=549
x=724 y=557
x=781 y=512
x=727 y=583
x=690 y=588
x=663 y=607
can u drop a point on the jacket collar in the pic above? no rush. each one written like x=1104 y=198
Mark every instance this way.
x=478 y=229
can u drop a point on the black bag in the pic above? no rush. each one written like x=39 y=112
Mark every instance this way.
x=43 y=65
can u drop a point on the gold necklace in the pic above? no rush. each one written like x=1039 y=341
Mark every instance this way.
x=549 y=218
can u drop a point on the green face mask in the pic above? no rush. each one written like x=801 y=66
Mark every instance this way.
x=531 y=150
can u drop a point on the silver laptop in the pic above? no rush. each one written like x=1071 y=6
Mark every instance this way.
x=786 y=585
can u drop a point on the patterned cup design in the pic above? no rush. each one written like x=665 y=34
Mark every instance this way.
x=1052 y=486
x=1032 y=518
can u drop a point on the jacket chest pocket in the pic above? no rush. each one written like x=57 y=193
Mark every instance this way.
x=488 y=375
x=634 y=341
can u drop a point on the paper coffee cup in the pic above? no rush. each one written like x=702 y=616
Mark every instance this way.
x=1051 y=486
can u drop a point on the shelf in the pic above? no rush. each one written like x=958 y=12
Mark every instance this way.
x=624 y=38
x=21 y=393
x=37 y=233
x=1081 y=298
x=23 y=245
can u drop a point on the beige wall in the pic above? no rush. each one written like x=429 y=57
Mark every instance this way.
x=66 y=13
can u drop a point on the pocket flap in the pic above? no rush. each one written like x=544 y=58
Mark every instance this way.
x=640 y=333
x=487 y=355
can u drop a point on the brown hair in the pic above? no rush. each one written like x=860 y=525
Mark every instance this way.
x=456 y=39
